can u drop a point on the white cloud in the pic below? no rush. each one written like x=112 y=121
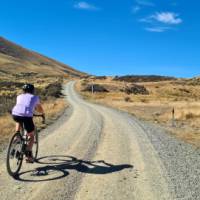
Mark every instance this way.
x=157 y=29
x=145 y=3
x=167 y=18
x=162 y=21
x=136 y=9
x=82 y=5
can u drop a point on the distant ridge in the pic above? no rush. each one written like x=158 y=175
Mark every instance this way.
x=15 y=59
x=143 y=78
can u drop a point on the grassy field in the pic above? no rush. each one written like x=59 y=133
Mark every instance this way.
x=181 y=95
x=48 y=88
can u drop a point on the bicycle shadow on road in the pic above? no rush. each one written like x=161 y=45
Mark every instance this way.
x=58 y=166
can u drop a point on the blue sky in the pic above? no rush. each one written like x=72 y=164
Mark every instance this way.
x=109 y=37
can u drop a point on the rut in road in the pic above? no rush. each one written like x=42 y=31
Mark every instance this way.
x=98 y=153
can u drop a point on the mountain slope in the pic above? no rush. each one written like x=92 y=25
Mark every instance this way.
x=15 y=59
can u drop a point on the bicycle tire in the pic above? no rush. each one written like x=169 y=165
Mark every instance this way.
x=35 y=145
x=13 y=154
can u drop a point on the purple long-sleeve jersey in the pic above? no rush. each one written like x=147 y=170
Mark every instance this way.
x=25 y=105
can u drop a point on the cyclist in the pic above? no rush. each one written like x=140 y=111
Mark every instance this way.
x=23 y=113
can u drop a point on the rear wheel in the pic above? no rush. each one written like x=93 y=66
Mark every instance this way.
x=35 y=145
x=14 y=155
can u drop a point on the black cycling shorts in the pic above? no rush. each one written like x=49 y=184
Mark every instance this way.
x=27 y=121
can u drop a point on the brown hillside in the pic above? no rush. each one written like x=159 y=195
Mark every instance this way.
x=15 y=59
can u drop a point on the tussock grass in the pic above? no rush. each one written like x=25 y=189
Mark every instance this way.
x=157 y=106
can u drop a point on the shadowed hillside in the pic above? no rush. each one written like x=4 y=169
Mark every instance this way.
x=15 y=59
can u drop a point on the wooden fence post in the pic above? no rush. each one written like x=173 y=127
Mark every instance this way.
x=92 y=88
x=173 y=118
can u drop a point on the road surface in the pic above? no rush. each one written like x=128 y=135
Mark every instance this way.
x=99 y=153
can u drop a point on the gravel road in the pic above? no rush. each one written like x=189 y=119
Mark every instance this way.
x=98 y=153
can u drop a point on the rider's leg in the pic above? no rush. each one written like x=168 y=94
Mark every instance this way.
x=18 y=121
x=30 y=140
x=17 y=128
x=29 y=156
x=29 y=127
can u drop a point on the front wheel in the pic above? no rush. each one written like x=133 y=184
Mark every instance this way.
x=35 y=144
x=14 y=155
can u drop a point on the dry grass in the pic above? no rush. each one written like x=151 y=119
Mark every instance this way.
x=7 y=128
x=54 y=108
x=48 y=88
x=157 y=106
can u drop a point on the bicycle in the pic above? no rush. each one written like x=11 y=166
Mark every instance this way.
x=17 y=149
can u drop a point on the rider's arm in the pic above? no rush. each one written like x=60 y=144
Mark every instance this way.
x=39 y=108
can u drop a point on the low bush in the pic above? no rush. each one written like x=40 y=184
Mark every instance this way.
x=6 y=104
x=144 y=100
x=9 y=85
x=127 y=99
x=136 y=89
x=100 y=77
x=51 y=90
x=191 y=116
x=94 y=88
